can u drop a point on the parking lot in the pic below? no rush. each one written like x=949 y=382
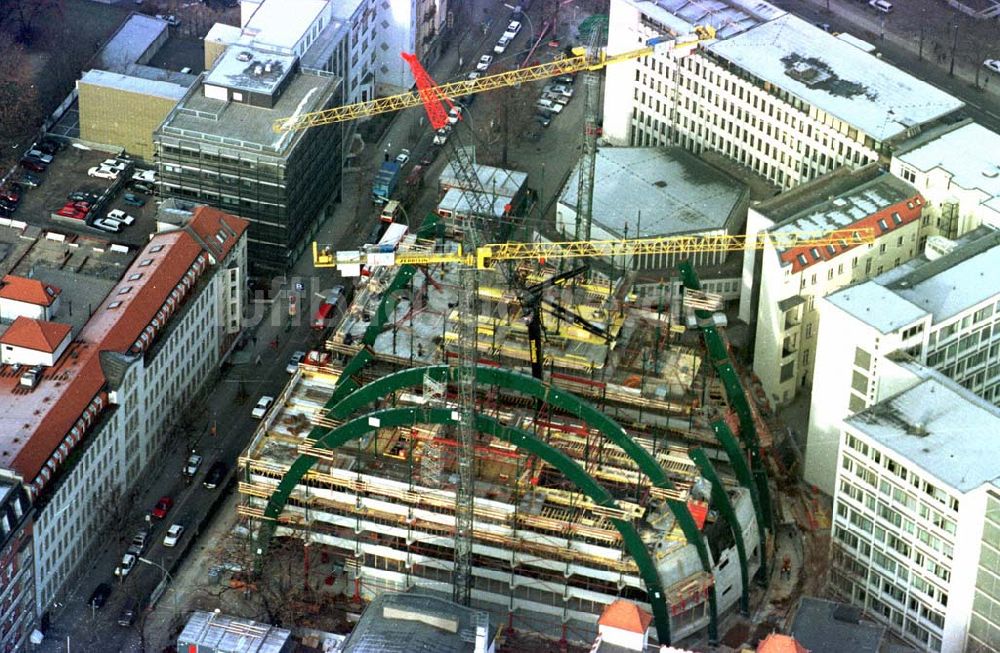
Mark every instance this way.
x=67 y=174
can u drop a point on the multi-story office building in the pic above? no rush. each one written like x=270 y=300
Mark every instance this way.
x=17 y=582
x=91 y=422
x=773 y=93
x=916 y=476
x=780 y=305
x=218 y=147
x=956 y=169
x=984 y=625
x=941 y=310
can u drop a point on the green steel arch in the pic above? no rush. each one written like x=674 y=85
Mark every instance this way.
x=522 y=440
x=528 y=385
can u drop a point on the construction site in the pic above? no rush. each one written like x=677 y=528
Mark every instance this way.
x=501 y=425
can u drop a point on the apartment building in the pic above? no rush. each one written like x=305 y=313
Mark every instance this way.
x=781 y=286
x=915 y=477
x=942 y=309
x=92 y=422
x=772 y=92
x=17 y=583
x=218 y=147
x=957 y=170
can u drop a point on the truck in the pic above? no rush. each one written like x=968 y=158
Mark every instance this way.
x=385 y=182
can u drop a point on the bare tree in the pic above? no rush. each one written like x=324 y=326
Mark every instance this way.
x=19 y=105
x=115 y=505
x=22 y=15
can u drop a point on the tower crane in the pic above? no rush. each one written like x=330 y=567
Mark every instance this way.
x=473 y=256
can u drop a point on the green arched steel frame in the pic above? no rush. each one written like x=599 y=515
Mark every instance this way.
x=737 y=399
x=739 y=464
x=532 y=387
x=522 y=440
x=721 y=501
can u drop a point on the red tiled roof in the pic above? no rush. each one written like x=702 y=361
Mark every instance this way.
x=219 y=231
x=29 y=291
x=35 y=334
x=888 y=219
x=109 y=329
x=775 y=643
x=625 y=615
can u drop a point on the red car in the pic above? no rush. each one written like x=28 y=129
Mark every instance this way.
x=10 y=195
x=70 y=212
x=162 y=507
x=32 y=165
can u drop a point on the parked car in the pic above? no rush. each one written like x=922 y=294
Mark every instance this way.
x=10 y=194
x=30 y=180
x=141 y=187
x=403 y=157
x=215 y=474
x=441 y=135
x=992 y=64
x=102 y=173
x=127 y=563
x=262 y=405
x=70 y=212
x=81 y=205
x=148 y=176
x=99 y=596
x=41 y=156
x=454 y=114
x=566 y=80
x=293 y=362
x=501 y=45
x=82 y=196
x=474 y=75
x=138 y=543
x=562 y=89
x=513 y=28
x=33 y=165
x=162 y=507
x=171 y=20
x=544 y=119
x=120 y=216
x=111 y=226
x=8 y=205
x=133 y=200
x=127 y=615
x=50 y=146
x=173 y=534
x=192 y=464
x=484 y=63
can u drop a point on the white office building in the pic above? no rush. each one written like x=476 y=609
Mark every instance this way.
x=91 y=425
x=781 y=286
x=941 y=310
x=916 y=475
x=958 y=171
x=772 y=92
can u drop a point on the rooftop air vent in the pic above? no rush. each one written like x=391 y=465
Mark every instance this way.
x=244 y=56
x=258 y=69
x=918 y=429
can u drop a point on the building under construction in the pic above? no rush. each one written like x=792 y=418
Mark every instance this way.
x=617 y=475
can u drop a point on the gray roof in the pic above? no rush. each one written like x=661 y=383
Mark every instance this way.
x=944 y=287
x=675 y=192
x=247 y=69
x=970 y=154
x=222 y=633
x=829 y=627
x=129 y=43
x=282 y=23
x=142 y=85
x=233 y=124
x=458 y=201
x=830 y=74
x=939 y=427
x=727 y=17
x=414 y=622
x=499 y=181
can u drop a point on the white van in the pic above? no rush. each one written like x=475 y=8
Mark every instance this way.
x=881 y=5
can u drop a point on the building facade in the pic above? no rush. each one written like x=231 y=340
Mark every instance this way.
x=786 y=283
x=984 y=625
x=146 y=351
x=943 y=313
x=956 y=170
x=772 y=92
x=218 y=147
x=17 y=582
x=910 y=507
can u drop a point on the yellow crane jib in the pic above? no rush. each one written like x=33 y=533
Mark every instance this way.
x=350 y=262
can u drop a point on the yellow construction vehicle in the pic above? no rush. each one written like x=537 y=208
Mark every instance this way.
x=486 y=255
